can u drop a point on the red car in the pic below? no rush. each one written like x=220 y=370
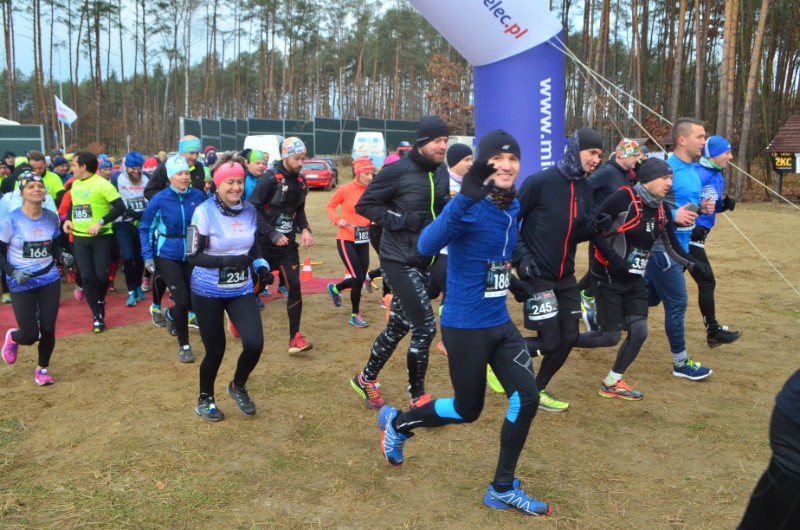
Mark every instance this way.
x=318 y=174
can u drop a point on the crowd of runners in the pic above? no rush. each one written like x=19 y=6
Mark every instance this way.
x=207 y=234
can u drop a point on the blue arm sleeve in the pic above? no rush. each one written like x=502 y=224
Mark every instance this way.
x=448 y=226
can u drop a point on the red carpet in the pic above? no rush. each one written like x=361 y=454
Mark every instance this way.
x=75 y=318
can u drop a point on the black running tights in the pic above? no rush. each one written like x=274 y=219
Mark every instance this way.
x=45 y=299
x=356 y=258
x=92 y=255
x=555 y=345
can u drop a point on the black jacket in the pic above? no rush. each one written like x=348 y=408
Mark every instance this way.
x=159 y=181
x=607 y=179
x=401 y=190
x=280 y=199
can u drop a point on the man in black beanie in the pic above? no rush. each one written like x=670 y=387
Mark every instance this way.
x=404 y=198
x=555 y=208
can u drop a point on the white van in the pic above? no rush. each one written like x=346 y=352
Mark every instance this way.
x=371 y=144
x=269 y=143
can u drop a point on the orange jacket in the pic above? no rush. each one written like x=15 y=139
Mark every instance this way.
x=347 y=196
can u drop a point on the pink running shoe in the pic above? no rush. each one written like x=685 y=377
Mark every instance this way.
x=42 y=378
x=78 y=294
x=10 y=347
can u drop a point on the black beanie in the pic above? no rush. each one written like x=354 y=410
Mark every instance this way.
x=495 y=142
x=652 y=169
x=456 y=153
x=430 y=128
x=589 y=139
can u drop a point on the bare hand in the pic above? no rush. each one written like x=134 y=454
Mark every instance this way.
x=684 y=217
x=306 y=240
x=282 y=242
x=708 y=206
x=94 y=229
x=341 y=223
x=68 y=227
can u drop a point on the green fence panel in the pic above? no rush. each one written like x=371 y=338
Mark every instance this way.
x=192 y=127
x=371 y=124
x=265 y=126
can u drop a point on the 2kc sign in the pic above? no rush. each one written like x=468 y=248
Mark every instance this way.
x=785 y=162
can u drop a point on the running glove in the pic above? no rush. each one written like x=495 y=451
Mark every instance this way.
x=699 y=233
x=728 y=204
x=67 y=259
x=21 y=276
x=602 y=223
x=150 y=265
x=527 y=268
x=264 y=276
x=520 y=289
x=474 y=184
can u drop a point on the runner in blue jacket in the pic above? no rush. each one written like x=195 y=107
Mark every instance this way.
x=479 y=228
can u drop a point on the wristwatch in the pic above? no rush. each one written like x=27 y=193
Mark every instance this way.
x=101 y=222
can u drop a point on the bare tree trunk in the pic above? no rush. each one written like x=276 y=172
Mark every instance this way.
x=701 y=24
x=8 y=40
x=677 y=67
x=727 y=39
x=98 y=78
x=755 y=62
x=123 y=82
x=731 y=76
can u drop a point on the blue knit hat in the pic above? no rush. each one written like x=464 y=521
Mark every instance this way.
x=175 y=164
x=134 y=159
x=715 y=146
x=105 y=163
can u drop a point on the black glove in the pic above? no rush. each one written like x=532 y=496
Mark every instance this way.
x=602 y=223
x=527 y=269
x=264 y=276
x=415 y=221
x=701 y=269
x=237 y=262
x=21 y=276
x=520 y=289
x=473 y=183
x=699 y=233
x=617 y=266
x=728 y=204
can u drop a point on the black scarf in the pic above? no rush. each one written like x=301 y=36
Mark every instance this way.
x=502 y=198
x=229 y=211
x=420 y=160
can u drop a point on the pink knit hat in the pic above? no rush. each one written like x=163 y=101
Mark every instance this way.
x=226 y=171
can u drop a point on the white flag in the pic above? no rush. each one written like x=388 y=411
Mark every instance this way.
x=64 y=113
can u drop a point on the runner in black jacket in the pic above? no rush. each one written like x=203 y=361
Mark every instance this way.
x=280 y=199
x=188 y=147
x=404 y=198
x=555 y=207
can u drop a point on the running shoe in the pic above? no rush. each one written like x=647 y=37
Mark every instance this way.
x=589 y=311
x=171 y=329
x=207 y=409
x=10 y=347
x=283 y=290
x=139 y=293
x=549 y=403
x=193 y=320
x=157 y=316
x=387 y=303
x=42 y=377
x=185 y=354
x=441 y=347
x=391 y=441
x=242 y=398
x=265 y=291
x=368 y=391
x=146 y=285
x=357 y=320
x=621 y=390
x=232 y=328
x=419 y=401
x=691 y=370
x=78 y=294
x=516 y=499
x=368 y=285
x=336 y=298
x=7 y=298
x=131 y=301
x=722 y=335
x=99 y=326
x=111 y=288
x=493 y=381
x=260 y=304
x=299 y=344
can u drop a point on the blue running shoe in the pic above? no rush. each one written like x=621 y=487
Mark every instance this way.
x=260 y=304
x=691 y=370
x=391 y=440
x=131 y=301
x=336 y=298
x=516 y=499
x=283 y=290
x=139 y=293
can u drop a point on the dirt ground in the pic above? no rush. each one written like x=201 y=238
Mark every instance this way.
x=116 y=443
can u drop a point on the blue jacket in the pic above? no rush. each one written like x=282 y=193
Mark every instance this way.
x=712 y=185
x=685 y=188
x=475 y=234
x=164 y=222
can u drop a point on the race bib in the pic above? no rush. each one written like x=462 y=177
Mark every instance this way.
x=498 y=278
x=82 y=212
x=137 y=204
x=36 y=249
x=285 y=223
x=361 y=234
x=232 y=277
x=637 y=261
x=541 y=306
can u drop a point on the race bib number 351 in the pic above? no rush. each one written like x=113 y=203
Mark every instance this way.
x=498 y=278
